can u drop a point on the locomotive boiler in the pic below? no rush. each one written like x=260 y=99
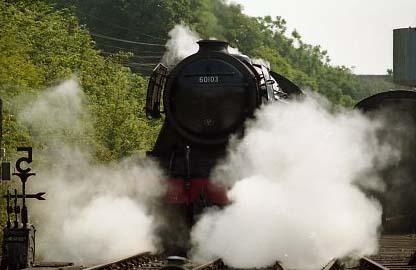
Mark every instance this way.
x=206 y=98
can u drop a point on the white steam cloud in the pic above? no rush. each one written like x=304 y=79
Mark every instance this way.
x=182 y=43
x=233 y=50
x=294 y=194
x=93 y=213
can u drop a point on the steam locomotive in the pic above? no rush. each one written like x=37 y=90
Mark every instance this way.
x=206 y=98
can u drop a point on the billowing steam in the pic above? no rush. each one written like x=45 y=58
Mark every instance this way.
x=93 y=213
x=182 y=43
x=233 y=50
x=294 y=190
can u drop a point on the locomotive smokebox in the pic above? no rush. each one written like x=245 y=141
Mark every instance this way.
x=210 y=94
x=213 y=46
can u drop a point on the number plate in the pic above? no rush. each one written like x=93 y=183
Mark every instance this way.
x=208 y=79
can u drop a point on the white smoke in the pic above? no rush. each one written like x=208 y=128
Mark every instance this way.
x=233 y=50
x=93 y=213
x=181 y=44
x=57 y=109
x=294 y=195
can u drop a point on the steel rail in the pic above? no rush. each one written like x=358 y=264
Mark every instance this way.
x=332 y=265
x=368 y=264
x=145 y=260
x=217 y=264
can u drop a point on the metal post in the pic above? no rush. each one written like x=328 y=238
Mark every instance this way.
x=16 y=210
x=9 y=223
x=1 y=124
x=24 y=208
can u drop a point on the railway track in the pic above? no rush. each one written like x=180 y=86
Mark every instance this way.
x=148 y=261
x=141 y=261
x=397 y=252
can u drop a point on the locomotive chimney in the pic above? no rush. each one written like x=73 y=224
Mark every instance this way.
x=213 y=45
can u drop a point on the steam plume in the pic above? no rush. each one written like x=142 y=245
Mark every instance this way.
x=93 y=213
x=182 y=43
x=294 y=193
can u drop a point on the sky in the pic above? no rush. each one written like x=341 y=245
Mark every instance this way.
x=356 y=33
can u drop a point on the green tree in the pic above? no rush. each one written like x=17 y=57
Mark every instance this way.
x=41 y=47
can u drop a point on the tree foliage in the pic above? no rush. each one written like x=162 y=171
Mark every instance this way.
x=40 y=48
